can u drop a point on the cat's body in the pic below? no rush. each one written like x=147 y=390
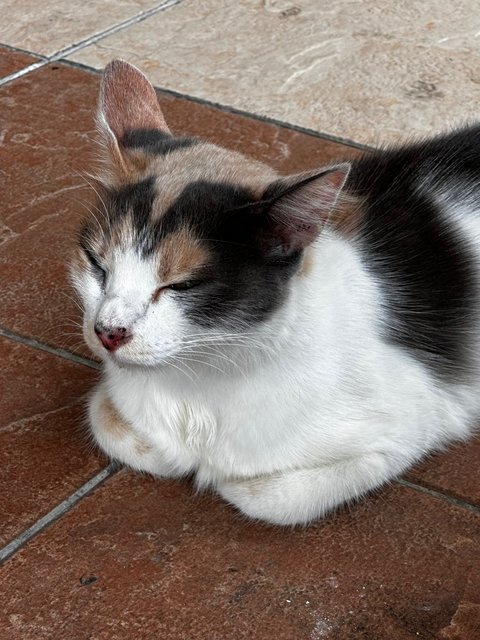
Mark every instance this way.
x=352 y=349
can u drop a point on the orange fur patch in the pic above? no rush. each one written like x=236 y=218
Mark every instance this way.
x=142 y=447
x=307 y=264
x=180 y=255
x=113 y=423
x=347 y=215
x=117 y=427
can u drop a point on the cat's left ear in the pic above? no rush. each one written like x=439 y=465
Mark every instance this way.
x=299 y=206
x=127 y=103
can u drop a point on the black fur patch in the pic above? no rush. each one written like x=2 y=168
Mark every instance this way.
x=134 y=201
x=241 y=284
x=155 y=142
x=425 y=268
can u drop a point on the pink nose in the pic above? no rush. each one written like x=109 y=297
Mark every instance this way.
x=112 y=338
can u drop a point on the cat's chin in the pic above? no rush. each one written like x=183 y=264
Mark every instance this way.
x=132 y=361
x=119 y=362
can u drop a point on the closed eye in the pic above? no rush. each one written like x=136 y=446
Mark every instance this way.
x=183 y=286
x=177 y=286
x=97 y=268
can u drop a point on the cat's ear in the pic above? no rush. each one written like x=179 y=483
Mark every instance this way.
x=299 y=206
x=127 y=103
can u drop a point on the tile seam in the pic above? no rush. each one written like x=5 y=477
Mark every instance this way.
x=66 y=505
x=268 y=120
x=57 y=512
x=120 y=26
x=23 y=72
x=56 y=351
x=26 y=52
x=434 y=493
x=60 y=57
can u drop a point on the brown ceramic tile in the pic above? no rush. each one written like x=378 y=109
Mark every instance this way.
x=465 y=624
x=37 y=298
x=34 y=382
x=457 y=472
x=50 y=115
x=48 y=119
x=44 y=454
x=145 y=559
x=12 y=61
x=43 y=459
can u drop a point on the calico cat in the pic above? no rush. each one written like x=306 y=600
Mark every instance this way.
x=295 y=342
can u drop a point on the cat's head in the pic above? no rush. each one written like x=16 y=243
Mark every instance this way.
x=188 y=242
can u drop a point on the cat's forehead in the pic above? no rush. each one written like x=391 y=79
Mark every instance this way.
x=183 y=187
x=201 y=162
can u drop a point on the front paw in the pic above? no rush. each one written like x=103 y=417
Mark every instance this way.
x=114 y=435
x=121 y=441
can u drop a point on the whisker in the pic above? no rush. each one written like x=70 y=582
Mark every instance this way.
x=170 y=363
x=219 y=355
x=96 y=192
x=207 y=364
x=73 y=299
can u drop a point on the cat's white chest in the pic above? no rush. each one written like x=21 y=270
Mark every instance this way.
x=178 y=423
x=224 y=430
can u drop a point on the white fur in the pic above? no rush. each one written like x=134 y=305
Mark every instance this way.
x=287 y=421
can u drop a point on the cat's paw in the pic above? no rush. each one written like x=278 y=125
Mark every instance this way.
x=118 y=439
x=261 y=499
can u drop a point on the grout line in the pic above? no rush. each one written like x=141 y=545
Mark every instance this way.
x=23 y=72
x=139 y=17
x=439 y=495
x=268 y=120
x=56 y=351
x=60 y=56
x=58 y=511
x=26 y=52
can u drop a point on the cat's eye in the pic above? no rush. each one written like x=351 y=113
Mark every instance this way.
x=98 y=269
x=183 y=286
x=176 y=286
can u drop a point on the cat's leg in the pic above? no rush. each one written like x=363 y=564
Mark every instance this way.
x=116 y=437
x=297 y=497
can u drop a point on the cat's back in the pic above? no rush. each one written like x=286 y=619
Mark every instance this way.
x=419 y=236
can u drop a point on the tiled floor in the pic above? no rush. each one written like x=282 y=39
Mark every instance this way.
x=93 y=551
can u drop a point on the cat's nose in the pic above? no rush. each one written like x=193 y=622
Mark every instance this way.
x=112 y=337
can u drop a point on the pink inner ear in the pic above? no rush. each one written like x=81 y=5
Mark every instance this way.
x=128 y=100
x=300 y=214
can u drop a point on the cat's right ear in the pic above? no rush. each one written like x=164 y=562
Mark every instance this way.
x=298 y=207
x=127 y=103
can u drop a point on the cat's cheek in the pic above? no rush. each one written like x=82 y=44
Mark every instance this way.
x=165 y=331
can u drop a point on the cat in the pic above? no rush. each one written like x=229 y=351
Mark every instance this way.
x=293 y=342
